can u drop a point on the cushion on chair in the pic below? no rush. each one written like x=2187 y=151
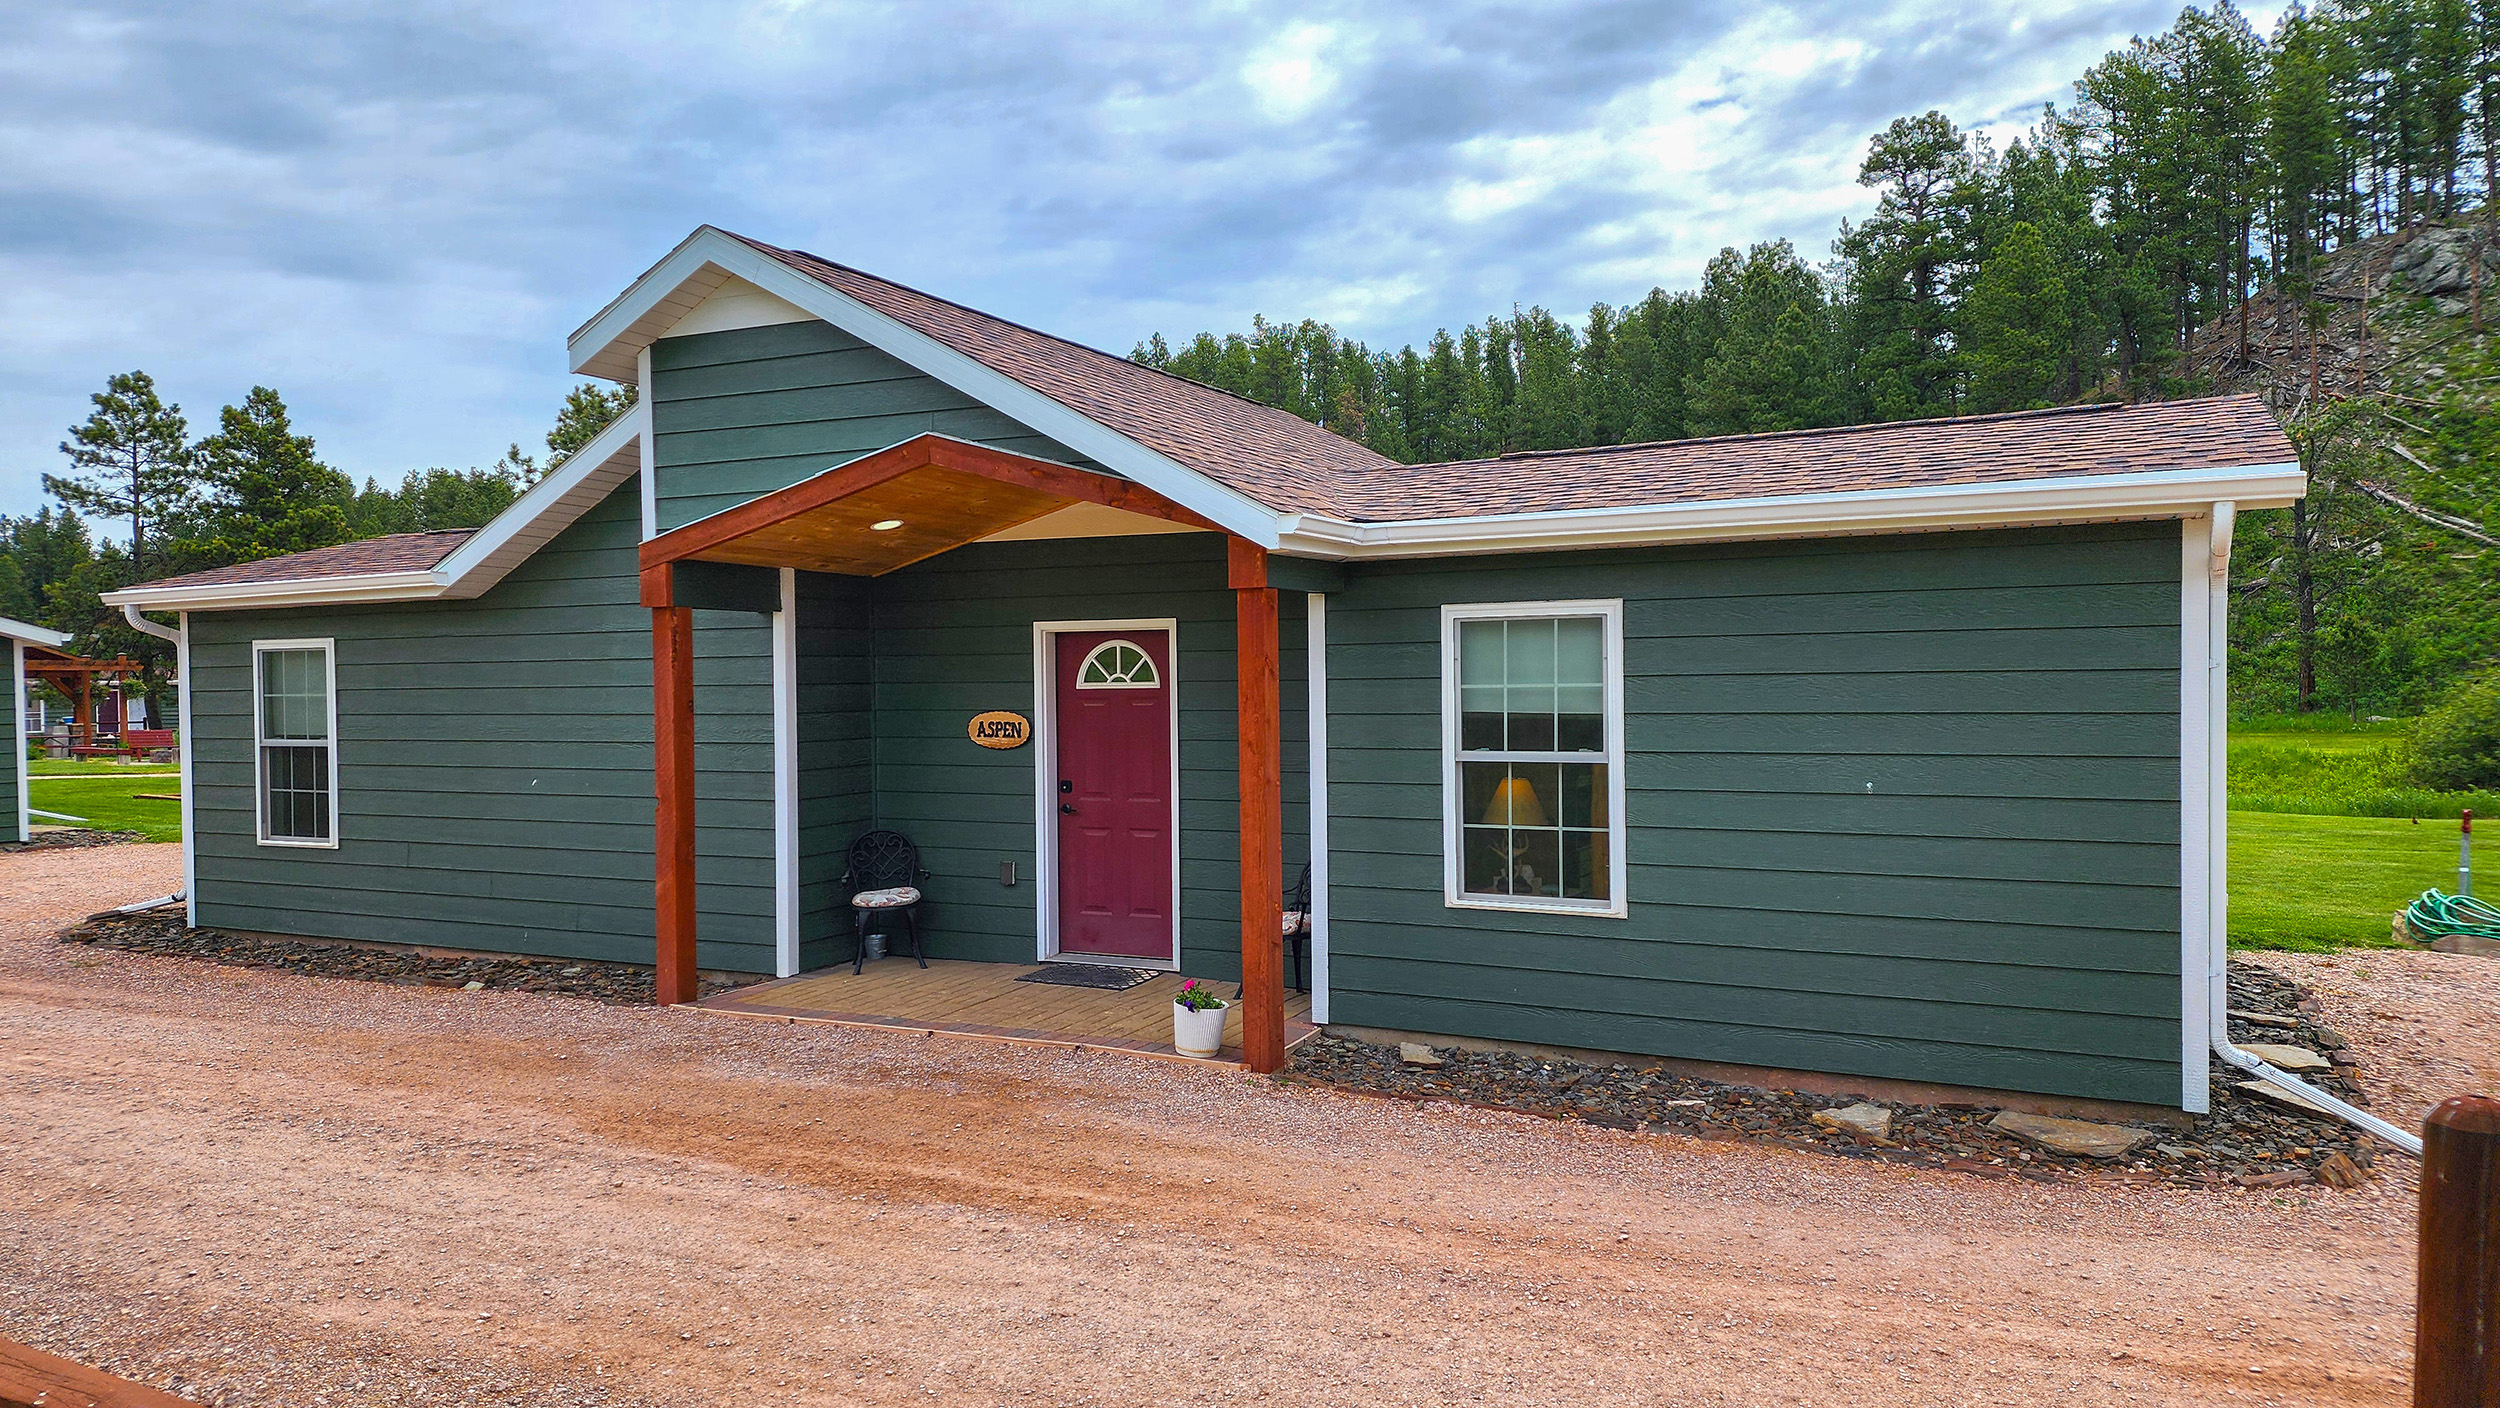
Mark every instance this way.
x=894 y=898
x=1296 y=921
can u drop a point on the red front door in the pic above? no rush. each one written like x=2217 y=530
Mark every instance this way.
x=1114 y=747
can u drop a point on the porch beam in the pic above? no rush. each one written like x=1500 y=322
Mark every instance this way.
x=1261 y=755
x=927 y=451
x=672 y=775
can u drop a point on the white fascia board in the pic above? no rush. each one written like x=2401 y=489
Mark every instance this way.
x=2083 y=498
x=548 y=507
x=32 y=634
x=1236 y=512
x=313 y=591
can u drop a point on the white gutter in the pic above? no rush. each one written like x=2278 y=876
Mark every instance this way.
x=181 y=638
x=2073 y=498
x=2216 y=691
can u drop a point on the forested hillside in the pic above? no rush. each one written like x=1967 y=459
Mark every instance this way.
x=2303 y=214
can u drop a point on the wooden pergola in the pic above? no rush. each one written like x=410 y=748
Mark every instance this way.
x=75 y=676
x=946 y=493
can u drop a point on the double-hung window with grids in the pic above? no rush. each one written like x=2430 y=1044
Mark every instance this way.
x=295 y=744
x=1533 y=742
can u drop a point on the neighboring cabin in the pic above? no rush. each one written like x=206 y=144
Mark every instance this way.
x=18 y=635
x=1884 y=750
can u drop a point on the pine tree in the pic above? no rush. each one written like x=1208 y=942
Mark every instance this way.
x=133 y=458
x=1905 y=262
x=1773 y=368
x=588 y=409
x=266 y=493
x=2017 y=316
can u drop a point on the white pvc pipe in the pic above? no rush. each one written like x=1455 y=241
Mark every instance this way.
x=161 y=900
x=2218 y=803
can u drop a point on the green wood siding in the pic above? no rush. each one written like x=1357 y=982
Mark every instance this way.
x=14 y=828
x=954 y=637
x=836 y=797
x=494 y=765
x=742 y=413
x=1999 y=908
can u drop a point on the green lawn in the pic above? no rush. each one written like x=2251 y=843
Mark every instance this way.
x=92 y=767
x=110 y=803
x=2323 y=882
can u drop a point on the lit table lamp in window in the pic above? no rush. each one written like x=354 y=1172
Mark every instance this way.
x=1515 y=804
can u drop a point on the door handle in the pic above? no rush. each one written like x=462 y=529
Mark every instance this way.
x=1066 y=810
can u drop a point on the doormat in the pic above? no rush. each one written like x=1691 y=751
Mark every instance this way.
x=1088 y=975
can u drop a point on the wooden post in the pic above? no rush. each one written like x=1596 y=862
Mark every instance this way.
x=1262 y=810
x=2456 y=1328
x=672 y=772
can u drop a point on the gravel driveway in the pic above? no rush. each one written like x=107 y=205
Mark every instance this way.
x=263 y=1188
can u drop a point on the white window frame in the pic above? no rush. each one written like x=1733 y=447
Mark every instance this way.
x=328 y=646
x=1453 y=892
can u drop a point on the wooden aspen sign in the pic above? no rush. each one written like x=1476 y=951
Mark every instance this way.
x=1001 y=728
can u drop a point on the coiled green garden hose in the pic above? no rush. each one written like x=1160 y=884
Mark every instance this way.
x=2436 y=915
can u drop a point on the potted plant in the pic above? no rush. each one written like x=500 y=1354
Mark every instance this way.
x=1197 y=1020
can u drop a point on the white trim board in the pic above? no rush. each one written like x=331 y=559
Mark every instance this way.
x=182 y=740
x=1454 y=894
x=260 y=746
x=17 y=733
x=2031 y=503
x=1046 y=781
x=32 y=634
x=2196 y=841
x=1315 y=648
x=785 y=624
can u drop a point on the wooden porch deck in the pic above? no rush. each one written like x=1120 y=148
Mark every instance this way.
x=984 y=1000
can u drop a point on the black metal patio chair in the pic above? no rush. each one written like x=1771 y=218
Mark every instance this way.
x=884 y=879
x=1298 y=927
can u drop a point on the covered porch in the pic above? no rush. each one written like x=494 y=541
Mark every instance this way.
x=910 y=590
x=988 y=1001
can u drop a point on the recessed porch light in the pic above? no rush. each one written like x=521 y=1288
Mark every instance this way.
x=885 y=525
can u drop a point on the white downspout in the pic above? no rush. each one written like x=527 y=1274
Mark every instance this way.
x=2217 y=838
x=189 y=894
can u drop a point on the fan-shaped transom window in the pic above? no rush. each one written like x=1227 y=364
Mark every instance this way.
x=1117 y=664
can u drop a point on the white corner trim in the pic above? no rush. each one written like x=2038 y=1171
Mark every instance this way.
x=786 y=778
x=1455 y=895
x=2196 y=878
x=182 y=740
x=1315 y=647
x=649 y=482
x=2077 y=498
x=17 y=734
x=593 y=342
x=546 y=509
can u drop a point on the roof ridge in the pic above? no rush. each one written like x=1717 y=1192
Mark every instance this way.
x=1857 y=428
x=857 y=272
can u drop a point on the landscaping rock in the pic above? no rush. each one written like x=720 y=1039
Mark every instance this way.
x=2079 y=1137
x=1415 y=1053
x=2468 y=944
x=1873 y=1121
x=162 y=932
x=2266 y=1091
x=2295 y=1059
x=2338 y=1171
x=2264 y=1019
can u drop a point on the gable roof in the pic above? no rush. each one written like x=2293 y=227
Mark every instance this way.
x=1268 y=455
x=1279 y=481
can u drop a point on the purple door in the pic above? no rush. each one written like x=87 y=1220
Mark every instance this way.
x=1114 y=746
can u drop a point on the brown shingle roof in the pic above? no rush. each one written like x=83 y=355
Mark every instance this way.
x=400 y=552
x=1290 y=465
x=2071 y=441
x=1273 y=457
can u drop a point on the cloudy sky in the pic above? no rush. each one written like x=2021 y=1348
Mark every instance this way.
x=395 y=213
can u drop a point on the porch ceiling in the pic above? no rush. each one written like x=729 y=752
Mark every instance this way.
x=906 y=502
x=936 y=509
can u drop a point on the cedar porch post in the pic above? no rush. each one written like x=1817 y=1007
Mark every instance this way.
x=1262 y=811
x=672 y=771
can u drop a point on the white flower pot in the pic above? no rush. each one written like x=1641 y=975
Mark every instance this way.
x=1198 y=1034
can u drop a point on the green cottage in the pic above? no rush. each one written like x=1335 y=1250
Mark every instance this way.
x=1890 y=751
x=15 y=636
